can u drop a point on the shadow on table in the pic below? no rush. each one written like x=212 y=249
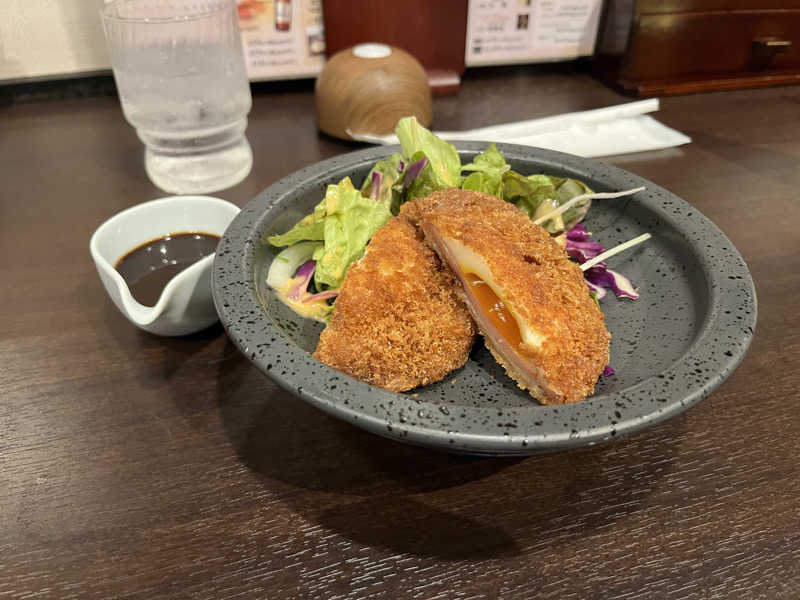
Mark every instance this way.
x=412 y=500
x=158 y=358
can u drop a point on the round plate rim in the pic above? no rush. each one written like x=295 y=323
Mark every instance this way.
x=231 y=277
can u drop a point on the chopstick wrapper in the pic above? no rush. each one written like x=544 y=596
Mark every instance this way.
x=620 y=129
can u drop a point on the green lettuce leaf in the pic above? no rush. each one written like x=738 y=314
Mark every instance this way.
x=350 y=221
x=527 y=193
x=566 y=190
x=481 y=182
x=490 y=161
x=489 y=172
x=311 y=227
x=444 y=165
x=344 y=221
x=488 y=169
x=536 y=195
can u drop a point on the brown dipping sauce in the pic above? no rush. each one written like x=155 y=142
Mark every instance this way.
x=148 y=268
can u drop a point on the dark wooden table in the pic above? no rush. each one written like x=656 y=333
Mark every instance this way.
x=133 y=466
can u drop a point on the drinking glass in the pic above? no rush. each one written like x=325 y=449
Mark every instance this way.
x=182 y=83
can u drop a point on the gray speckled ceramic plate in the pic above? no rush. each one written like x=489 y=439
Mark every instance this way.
x=688 y=331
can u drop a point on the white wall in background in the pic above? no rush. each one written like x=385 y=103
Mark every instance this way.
x=40 y=38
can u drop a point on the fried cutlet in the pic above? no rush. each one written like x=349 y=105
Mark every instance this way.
x=398 y=321
x=529 y=300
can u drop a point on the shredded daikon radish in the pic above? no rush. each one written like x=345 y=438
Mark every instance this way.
x=615 y=250
x=573 y=201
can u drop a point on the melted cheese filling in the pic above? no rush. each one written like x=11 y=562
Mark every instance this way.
x=495 y=310
x=470 y=263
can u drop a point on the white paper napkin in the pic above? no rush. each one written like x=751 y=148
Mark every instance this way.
x=606 y=131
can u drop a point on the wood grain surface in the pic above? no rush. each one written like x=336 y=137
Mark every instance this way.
x=138 y=467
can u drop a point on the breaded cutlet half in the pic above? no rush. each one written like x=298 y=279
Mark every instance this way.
x=398 y=321
x=565 y=344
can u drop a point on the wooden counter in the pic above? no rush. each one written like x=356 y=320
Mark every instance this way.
x=138 y=467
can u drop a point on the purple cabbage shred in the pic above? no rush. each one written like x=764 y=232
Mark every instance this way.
x=603 y=277
x=375 y=190
x=600 y=292
x=578 y=233
x=322 y=295
x=599 y=277
x=583 y=251
x=413 y=171
x=304 y=274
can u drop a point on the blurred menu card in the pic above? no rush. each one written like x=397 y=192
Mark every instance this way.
x=521 y=31
x=282 y=39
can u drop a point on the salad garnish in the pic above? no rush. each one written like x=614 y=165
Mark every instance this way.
x=591 y=256
x=322 y=246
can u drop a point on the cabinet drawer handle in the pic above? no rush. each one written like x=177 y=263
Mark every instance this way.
x=772 y=44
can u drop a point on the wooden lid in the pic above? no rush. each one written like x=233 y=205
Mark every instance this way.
x=368 y=88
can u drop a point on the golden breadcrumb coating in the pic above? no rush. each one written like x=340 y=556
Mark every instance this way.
x=398 y=321
x=535 y=279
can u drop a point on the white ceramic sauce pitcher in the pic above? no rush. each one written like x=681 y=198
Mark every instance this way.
x=185 y=305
